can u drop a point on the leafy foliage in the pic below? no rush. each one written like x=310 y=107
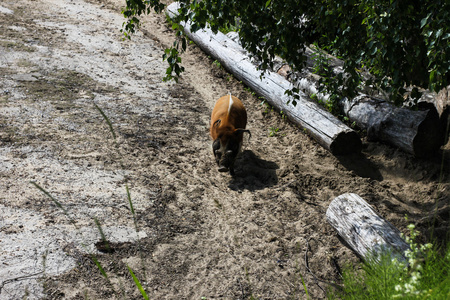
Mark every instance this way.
x=402 y=43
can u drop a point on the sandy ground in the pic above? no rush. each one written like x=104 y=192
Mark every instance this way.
x=200 y=233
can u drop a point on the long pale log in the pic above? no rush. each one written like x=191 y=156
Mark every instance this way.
x=416 y=132
x=368 y=234
x=326 y=129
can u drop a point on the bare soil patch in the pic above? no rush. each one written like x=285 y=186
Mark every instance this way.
x=201 y=233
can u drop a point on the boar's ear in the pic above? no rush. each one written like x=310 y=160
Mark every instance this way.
x=240 y=130
x=217 y=123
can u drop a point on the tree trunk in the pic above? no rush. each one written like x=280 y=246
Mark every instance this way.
x=368 y=234
x=326 y=129
x=416 y=132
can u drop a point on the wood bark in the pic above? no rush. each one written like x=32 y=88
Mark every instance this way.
x=417 y=132
x=326 y=129
x=368 y=234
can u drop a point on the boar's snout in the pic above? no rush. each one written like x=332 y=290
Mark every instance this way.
x=223 y=169
x=226 y=161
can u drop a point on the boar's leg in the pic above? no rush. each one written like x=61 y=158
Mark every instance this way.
x=232 y=170
x=216 y=152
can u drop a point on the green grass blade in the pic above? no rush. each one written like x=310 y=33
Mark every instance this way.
x=129 y=200
x=99 y=266
x=99 y=227
x=48 y=195
x=57 y=203
x=304 y=285
x=107 y=120
x=138 y=284
x=102 y=235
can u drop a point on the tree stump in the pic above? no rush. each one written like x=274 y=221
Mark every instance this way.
x=368 y=234
x=442 y=104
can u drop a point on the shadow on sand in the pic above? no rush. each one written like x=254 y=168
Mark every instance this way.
x=253 y=173
x=361 y=165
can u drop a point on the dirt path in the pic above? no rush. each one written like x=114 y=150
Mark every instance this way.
x=201 y=233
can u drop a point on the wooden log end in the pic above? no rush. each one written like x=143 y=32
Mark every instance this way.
x=347 y=142
x=430 y=136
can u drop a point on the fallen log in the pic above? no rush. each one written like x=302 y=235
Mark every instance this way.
x=417 y=132
x=368 y=234
x=420 y=133
x=325 y=128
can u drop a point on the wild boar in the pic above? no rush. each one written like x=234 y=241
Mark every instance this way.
x=228 y=121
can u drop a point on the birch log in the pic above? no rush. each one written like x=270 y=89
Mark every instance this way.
x=368 y=234
x=416 y=132
x=325 y=128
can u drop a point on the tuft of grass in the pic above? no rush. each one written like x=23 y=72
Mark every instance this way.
x=217 y=64
x=425 y=275
x=273 y=131
x=218 y=204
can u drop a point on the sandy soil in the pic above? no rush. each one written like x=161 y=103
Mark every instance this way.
x=200 y=233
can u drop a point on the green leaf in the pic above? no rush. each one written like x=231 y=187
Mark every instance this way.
x=424 y=21
x=183 y=44
x=432 y=76
x=374 y=51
